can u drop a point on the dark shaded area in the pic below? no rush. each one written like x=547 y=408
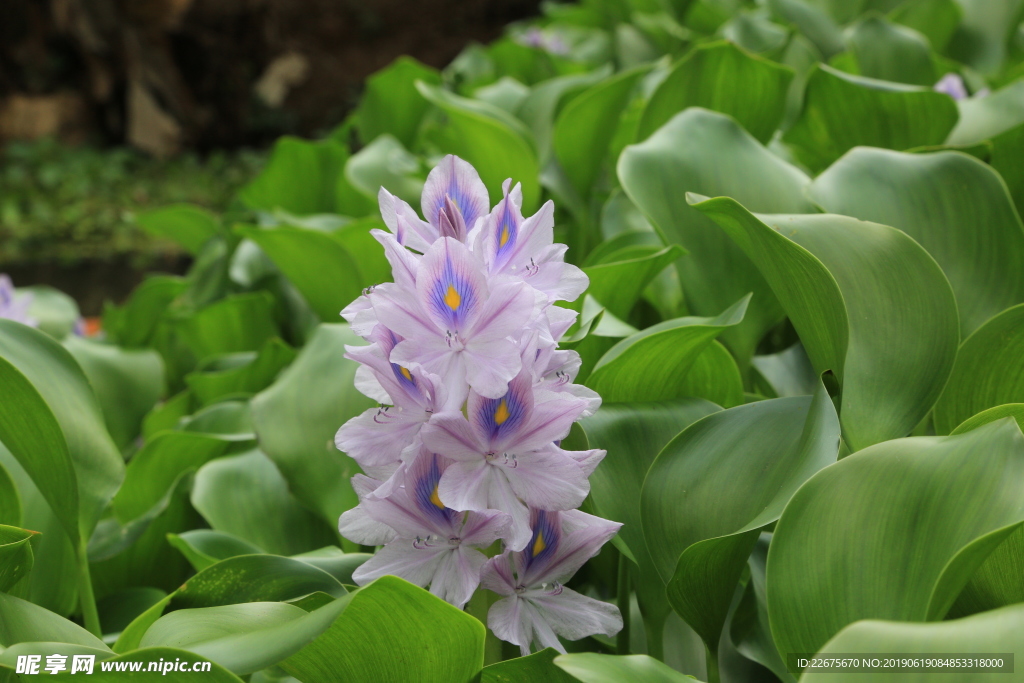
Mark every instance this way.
x=171 y=74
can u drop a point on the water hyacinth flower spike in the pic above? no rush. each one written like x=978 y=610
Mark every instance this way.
x=12 y=308
x=475 y=397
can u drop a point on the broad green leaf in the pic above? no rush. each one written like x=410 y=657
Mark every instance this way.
x=160 y=462
x=205 y=547
x=870 y=305
x=755 y=96
x=390 y=103
x=923 y=513
x=890 y=52
x=1014 y=410
x=386 y=163
x=132 y=634
x=319 y=266
x=996 y=583
x=653 y=365
x=53 y=581
x=210 y=386
x=982 y=118
x=787 y=373
x=119 y=609
x=334 y=561
x=618 y=284
x=127 y=383
x=489 y=138
x=244 y=322
x=506 y=93
x=1007 y=149
x=590 y=667
x=51 y=422
x=373 y=265
x=996 y=631
x=186 y=224
x=535 y=667
x=228 y=420
x=843 y=111
x=133 y=324
x=633 y=434
x=15 y=555
x=586 y=125
x=981 y=39
x=55 y=312
x=300 y=177
x=246 y=496
x=987 y=371
x=700 y=151
x=438 y=642
x=911 y=192
x=246 y=637
x=297 y=417
x=715 y=485
x=815 y=24
x=937 y=20
x=755 y=32
x=541 y=106
x=23 y=622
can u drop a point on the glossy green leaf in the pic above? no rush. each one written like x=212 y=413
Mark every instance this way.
x=55 y=312
x=301 y=178
x=316 y=263
x=51 y=422
x=243 y=638
x=127 y=383
x=15 y=555
x=23 y=622
x=1014 y=410
x=986 y=373
x=186 y=224
x=439 y=642
x=590 y=667
x=536 y=667
x=923 y=513
x=386 y=163
x=249 y=378
x=541 y=106
x=297 y=417
x=982 y=118
x=390 y=103
x=843 y=111
x=489 y=138
x=10 y=499
x=869 y=304
x=133 y=324
x=787 y=373
x=911 y=192
x=245 y=495
x=334 y=561
x=816 y=25
x=205 y=547
x=586 y=125
x=749 y=627
x=618 y=284
x=633 y=434
x=937 y=20
x=716 y=484
x=653 y=365
x=756 y=96
x=228 y=420
x=254 y=578
x=160 y=462
x=982 y=38
x=700 y=151
x=996 y=631
x=244 y=322
x=505 y=93
x=890 y=52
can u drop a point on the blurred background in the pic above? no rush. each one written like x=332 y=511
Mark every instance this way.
x=110 y=107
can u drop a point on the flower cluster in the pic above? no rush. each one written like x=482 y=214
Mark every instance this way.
x=12 y=308
x=464 y=450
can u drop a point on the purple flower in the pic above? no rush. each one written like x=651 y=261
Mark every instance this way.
x=505 y=453
x=951 y=84
x=475 y=398
x=14 y=308
x=432 y=544
x=537 y=607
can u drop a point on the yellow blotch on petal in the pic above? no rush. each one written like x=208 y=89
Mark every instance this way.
x=504 y=236
x=435 y=499
x=405 y=372
x=501 y=414
x=452 y=298
x=539 y=545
